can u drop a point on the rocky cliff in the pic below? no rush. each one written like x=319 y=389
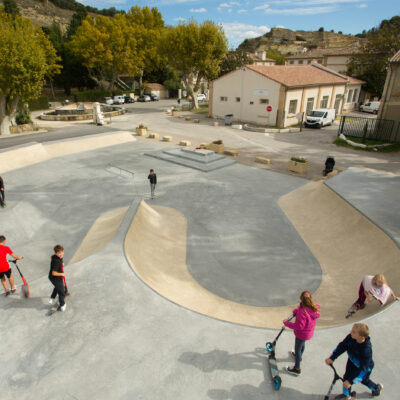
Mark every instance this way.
x=287 y=41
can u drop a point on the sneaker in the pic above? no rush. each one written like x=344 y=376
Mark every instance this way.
x=7 y=293
x=377 y=391
x=63 y=308
x=293 y=370
x=13 y=290
x=52 y=301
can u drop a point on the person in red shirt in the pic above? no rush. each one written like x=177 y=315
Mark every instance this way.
x=5 y=270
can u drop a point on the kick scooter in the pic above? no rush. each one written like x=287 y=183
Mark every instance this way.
x=336 y=377
x=355 y=307
x=273 y=366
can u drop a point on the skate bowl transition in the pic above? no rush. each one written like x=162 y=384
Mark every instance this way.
x=346 y=244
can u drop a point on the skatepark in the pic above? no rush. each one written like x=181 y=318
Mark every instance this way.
x=175 y=297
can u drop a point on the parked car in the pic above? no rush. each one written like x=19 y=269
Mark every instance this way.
x=107 y=100
x=371 y=107
x=154 y=97
x=119 y=99
x=201 y=97
x=320 y=117
x=129 y=99
x=144 y=97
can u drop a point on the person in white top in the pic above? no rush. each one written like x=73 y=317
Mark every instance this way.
x=374 y=286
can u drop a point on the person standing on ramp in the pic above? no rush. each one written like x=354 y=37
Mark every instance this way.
x=56 y=277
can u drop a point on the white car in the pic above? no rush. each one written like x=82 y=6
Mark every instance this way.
x=320 y=117
x=201 y=97
x=372 y=107
x=119 y=99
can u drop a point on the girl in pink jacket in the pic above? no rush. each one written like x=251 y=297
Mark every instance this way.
x=306 y=317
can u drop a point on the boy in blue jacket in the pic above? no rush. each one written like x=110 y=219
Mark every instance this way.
x=360 y=364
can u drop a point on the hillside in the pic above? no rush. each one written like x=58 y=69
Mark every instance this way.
x=287 y=41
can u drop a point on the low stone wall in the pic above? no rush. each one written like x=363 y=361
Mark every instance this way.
x=82 y=117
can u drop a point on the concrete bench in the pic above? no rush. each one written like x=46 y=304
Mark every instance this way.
x=167 y=139
x=184 y=143
x=231 y=152
x=263 y=160
x=153 y=135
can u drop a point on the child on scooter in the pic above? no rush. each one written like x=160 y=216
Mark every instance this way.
x=306 y=317
x=360 y=364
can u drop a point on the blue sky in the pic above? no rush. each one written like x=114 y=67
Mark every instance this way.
x=243 y=19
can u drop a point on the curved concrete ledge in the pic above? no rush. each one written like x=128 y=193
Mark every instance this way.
x=79 y=117
x=247 y=127
x=22 y=156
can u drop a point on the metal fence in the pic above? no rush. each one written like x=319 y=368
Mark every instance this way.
x=384 y=130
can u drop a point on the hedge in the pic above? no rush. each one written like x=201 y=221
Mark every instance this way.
x=41 y=103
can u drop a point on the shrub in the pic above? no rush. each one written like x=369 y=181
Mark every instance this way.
x=299 y=159
x=91 y=95
x=23 y=117
x=41 y=103
x=141 y=126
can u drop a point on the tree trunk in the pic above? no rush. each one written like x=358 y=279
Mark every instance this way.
x=188 y=83
x=8 y=109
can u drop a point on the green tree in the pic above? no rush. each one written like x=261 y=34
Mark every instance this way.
x=195 y=51
x=234 y=59
x=380 y=45
x=107 y=48
x=11 y=7
x=26 y=58
x=276 y=55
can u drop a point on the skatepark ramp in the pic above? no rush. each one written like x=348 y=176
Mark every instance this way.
x=346 y=244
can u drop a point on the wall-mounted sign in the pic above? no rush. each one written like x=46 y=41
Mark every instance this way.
x=260 y=92
x=269 y=108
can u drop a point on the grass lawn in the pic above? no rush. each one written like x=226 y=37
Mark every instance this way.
x=386 y=149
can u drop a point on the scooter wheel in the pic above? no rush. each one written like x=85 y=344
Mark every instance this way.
x=277 y=382
x=269 y=346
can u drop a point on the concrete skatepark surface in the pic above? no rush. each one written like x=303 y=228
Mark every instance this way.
x=120 y=339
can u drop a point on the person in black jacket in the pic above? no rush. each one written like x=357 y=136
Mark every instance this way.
x=360 y=364
x=2 y=194
x=56 y=277
x=153 y=182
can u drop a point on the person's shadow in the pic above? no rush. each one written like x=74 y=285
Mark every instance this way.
x=257 y=360
x=28 y=303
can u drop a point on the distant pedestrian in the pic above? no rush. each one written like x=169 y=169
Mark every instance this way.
x=306 y=317
x=360 y=363
x=2 y=193
x=373 y=286
x=153 y=182
x=5 y=270
x=56 y=277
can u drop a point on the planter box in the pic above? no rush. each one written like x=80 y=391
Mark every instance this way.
x=300 y=168
x=216 y=148
x=141 y=132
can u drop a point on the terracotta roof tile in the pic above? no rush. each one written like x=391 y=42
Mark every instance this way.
x=299 y=75
x=396 y=57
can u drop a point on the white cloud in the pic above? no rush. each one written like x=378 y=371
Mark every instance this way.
x=234 y=3
x=236 y=32
x=296 y=3
x=223 y=5
x=180 y=19
x=241 y=11
x=198 y=10
x=363 y=5
x=300 y=11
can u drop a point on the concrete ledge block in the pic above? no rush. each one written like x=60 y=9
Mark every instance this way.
x=184 y=143
x=215 y=123
x=188 y=118
x=231 y=152
x=333 y=173
x=203 y=145
x=263 y=160
x=174 y=113
x=167 y=139
x=153 y=135
x=341 y=169
x=196 y=121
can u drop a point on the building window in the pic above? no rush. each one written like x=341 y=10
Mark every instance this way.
x=310 y=105
x=264 y=101
x=350 y=96
x=309 y=62
x=319 y=61
x=355 y=95
x=223 y=98
x=238 y=99
x=292 y=106
x=300 y=61
x=324 y=102
x=291 y=62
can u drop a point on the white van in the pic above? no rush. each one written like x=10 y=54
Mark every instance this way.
x=371 y=107
x=320 y=117
x=119 y=99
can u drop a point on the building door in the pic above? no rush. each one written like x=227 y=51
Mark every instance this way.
x=310 y=105
x=337 y=103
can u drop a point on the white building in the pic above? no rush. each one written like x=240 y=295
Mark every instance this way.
x=335 y=58
x=274 y=95
x=260 y=58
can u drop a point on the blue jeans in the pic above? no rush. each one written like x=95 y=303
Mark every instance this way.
x=299 y=346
